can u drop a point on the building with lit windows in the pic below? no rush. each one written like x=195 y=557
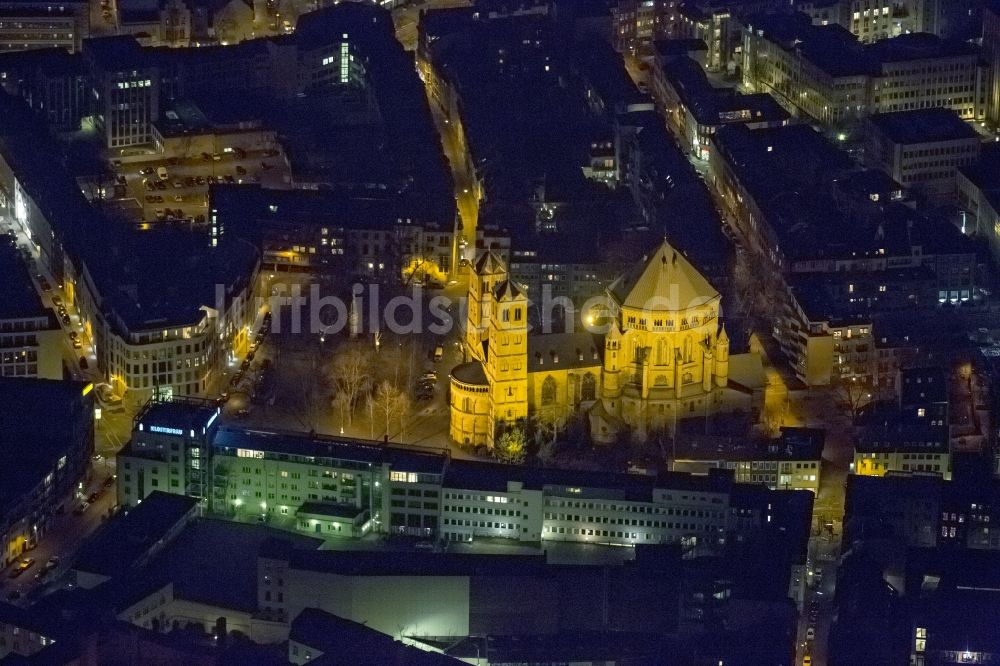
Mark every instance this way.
x=871 y=20
x=823 y=71
x=922 y=150
x=991 y=54
x=694 y=109
x=125 y=91
x=36 y=24
x=792 y=461
x=46 y=442
x=318 y=230
x=332 y=487
x=911 y=434
x=31 y=341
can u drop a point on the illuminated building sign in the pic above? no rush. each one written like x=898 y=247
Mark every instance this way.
x=249 y=453
x=166 y=431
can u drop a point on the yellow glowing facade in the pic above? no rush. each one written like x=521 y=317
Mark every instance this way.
x=662 y=355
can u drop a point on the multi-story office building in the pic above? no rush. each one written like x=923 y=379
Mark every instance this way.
x=793 y=461
x=125 y=91
x=922 y=150
x=46 y=442
x=36 y=24
x=823 y=72
x=334 y=487
x=31 y=341
x=991 y=54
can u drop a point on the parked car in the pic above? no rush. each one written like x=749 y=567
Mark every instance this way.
x=83 y=363
x=77 y=344
x=162 y=173
x=438 y=353
x=81 y=509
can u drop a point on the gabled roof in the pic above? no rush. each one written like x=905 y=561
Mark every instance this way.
x=665 y=281
x=509 y=290
x=489 y=263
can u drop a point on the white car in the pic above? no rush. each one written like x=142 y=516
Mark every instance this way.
x=811 y=633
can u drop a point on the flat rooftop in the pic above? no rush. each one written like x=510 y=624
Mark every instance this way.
x=128 y=538
x=179 y=414
x=41 y=420
x=18 y=297
x=922 y=126
x=410 y=459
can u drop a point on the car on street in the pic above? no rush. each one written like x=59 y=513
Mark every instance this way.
x=807 y=660
x=81 y=509
x=162 y=173
x=83 y=363
x=66 y=320
x=77 y=344
x=811 y=633
x=109 y=481
x=73 y=335
x=93 y=497
x=438 y=353
x=46 y=286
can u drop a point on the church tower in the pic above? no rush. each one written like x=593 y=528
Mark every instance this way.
x=507 y=357
x=488 y=271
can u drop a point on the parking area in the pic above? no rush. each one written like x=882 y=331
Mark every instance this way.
x=175 y=189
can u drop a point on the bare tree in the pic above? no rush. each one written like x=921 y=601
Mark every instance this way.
x=852 y=396
x=342 y=404
x=352 y=373
x=387 y=400
x=550 y=421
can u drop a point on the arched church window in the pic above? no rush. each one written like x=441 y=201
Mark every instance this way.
x=588 y=387
x=548 y=391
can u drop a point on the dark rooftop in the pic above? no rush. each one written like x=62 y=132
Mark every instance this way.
x=42 y=421
x=18 y=297
x=125 y=541
x=180 y=414
x=410 y=459
x=354 y=643
x=474 y=475
x=922 y=126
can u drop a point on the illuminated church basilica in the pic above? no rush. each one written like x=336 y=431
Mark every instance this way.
x=662 y=354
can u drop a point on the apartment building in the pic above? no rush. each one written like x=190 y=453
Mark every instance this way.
x=31 y=341
x=792 y=461
x=871 y=20
x=694 y=109
x=319 y=230
x=45 y=447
